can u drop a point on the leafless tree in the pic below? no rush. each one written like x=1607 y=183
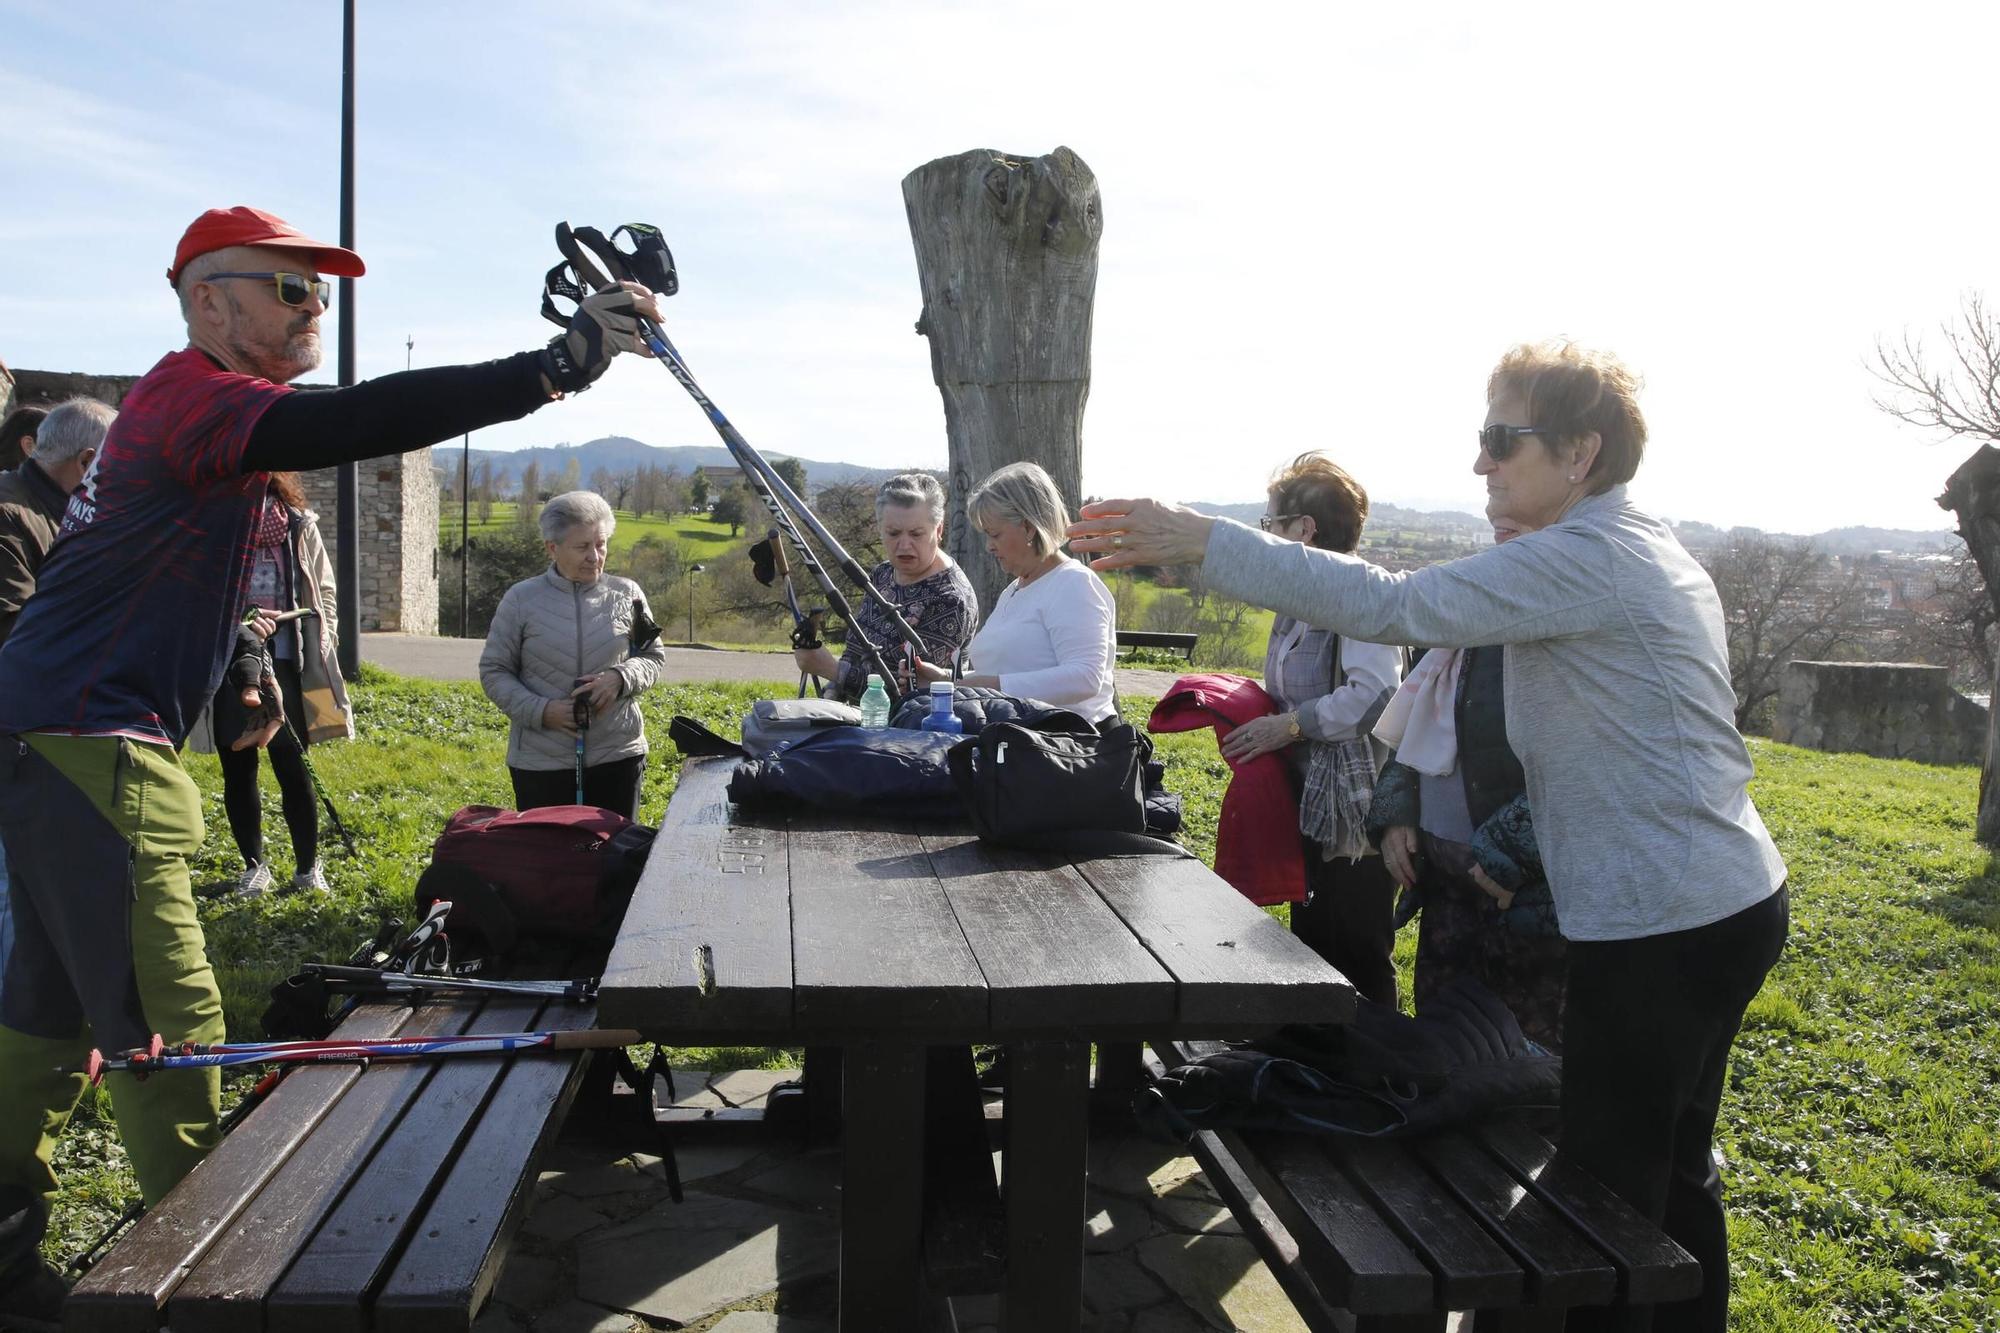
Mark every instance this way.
x=1783 y=600
x=1954 y=626
x=1957 y=396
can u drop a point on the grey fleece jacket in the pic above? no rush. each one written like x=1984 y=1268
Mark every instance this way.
x=1618 y=699
x=547 y=632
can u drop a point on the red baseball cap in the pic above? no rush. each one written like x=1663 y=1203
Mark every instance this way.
x=220 y=228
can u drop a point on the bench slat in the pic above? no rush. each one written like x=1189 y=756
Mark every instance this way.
x=1473 y=1272
x=127 y=1290
x=448 y=1268
x=875 y=942
x=1221 y=948
x=1032 y=921
x=352 y=1251
x=225 y=1292
x=707 y=882
x=1655 y=1270
x=1563 y=1269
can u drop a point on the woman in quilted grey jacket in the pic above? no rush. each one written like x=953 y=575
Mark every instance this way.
x=565 y=660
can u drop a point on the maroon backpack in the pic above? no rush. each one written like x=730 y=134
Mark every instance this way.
x=562 y=875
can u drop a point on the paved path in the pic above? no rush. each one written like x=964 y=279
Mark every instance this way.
x=433 y=658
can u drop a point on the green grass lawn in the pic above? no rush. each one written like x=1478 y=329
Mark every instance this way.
x=1864 y=1175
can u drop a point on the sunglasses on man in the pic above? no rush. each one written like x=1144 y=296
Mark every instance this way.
x=293 y=288
x=1272 y=522
x=1500 y=441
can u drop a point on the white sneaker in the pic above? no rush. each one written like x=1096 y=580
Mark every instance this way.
x=256 y=878
x=310 y=878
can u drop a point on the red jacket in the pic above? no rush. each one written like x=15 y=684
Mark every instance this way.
x=1257 y=845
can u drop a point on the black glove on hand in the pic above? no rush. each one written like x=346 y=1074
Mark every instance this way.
x=606 y=323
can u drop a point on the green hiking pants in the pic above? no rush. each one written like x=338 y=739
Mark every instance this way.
x=107 y=952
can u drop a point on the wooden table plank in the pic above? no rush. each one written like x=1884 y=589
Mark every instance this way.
x=1654 y=1270
x=130 y=1287
x=353 y=1250
x=225 y=1292
x=1056 y=958
x=876 y=946
x=1238 y=968
x=1562 y=1268
x=710 y=882
x=456 y=1248
x=1473 y=1272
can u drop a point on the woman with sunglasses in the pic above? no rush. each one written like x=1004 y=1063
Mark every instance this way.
x=1329 y=690
x=1669 y=889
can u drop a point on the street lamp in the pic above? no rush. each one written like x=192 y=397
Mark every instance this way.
x=692 y=571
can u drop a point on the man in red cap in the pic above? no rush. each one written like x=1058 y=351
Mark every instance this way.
x=127 y=635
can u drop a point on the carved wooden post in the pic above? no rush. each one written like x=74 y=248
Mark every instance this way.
x=1973 y=494
x=1007 y=257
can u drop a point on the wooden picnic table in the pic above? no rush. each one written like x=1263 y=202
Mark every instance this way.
x=883 y=936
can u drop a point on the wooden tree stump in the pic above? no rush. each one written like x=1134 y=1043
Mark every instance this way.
x=1973 y=495
x=1007 y=257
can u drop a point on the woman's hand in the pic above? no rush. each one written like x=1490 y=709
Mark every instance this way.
x=1260 y=735
x=264 y=625
x=1399 y=853
x=1505 y=897
x=560 y=715
x=818 y=661
x=924 y=675
x=602 y=690
x=1121 y=533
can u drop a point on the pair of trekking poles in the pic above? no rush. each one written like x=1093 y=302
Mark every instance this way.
x=593 y=262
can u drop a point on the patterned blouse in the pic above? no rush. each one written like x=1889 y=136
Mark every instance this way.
x=942 y=608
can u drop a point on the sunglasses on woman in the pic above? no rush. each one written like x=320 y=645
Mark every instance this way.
x=1272 y=522
x=1500 y=441
x=293 y=288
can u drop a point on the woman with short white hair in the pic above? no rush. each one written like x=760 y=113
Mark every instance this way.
x=569 y=652
x=1053 y=633
x=926 y=586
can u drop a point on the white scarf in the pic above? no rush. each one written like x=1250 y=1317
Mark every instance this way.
x=1419 y=722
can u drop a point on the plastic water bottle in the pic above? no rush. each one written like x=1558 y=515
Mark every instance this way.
x=875 y=703
x=941 y=718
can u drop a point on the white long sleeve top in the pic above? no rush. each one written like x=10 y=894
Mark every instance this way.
x=1055 y=639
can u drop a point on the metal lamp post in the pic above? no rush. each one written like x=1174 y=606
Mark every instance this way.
x=692 y=571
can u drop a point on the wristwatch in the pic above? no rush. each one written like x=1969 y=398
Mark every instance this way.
x=1292 y=726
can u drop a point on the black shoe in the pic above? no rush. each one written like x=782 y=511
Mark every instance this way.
x=34 y=1303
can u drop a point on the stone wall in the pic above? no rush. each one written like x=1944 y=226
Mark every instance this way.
x=1894 y=710
x=399 y=498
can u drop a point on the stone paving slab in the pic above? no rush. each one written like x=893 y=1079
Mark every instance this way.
x=605 y=1250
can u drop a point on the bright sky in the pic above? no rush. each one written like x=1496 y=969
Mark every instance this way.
x=1323 y=222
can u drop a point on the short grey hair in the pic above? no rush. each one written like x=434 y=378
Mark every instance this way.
x=1022 y=493
x=72 y=427
x=567 y=510
x=907 y=490
x=194 y=272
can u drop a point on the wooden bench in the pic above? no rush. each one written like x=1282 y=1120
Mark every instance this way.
x=1380 y=1236
x=381 y=1198
x=1145 y=638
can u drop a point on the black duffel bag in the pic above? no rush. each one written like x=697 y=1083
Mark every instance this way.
x=1020 y=785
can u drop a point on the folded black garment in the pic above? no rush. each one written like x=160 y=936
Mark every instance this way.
x=1385 y=1074
x=887 y=770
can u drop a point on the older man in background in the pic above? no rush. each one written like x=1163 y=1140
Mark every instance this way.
x=126 y=638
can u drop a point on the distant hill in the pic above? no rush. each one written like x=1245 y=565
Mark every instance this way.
x=617 y=453
x=620 y=452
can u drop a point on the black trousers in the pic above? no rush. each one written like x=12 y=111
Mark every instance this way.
x=240 y=800
x=609 y=786
x=1646 y=1036
x=1350 y=920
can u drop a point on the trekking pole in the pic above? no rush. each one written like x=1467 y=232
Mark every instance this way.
x=767 y=563
x=652 y=265
x=580 y=714
x=284 y=715
x=195 y=1055
x=382 y=981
